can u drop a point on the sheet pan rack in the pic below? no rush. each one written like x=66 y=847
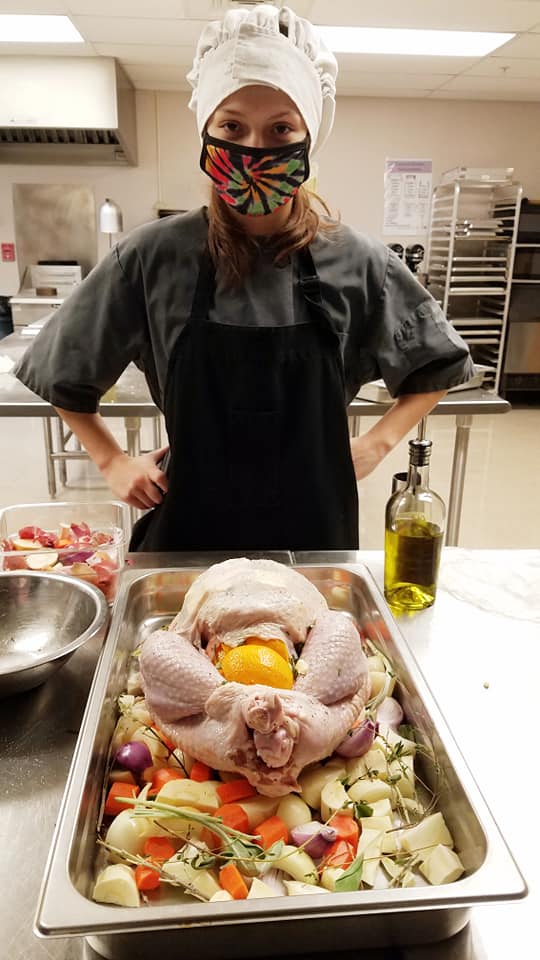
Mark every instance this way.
x=469 y=262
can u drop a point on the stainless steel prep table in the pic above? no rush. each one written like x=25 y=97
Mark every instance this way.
x=465 y=653
x=132 y=402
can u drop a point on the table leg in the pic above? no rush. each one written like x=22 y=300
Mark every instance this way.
x=133 y=435
x=49 y=462
x=457 y=482
x=355 y=426
x=133 y=444
x=62 y=439
x=156 y=432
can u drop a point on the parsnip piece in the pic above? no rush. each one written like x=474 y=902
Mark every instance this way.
x=388 y=738
x=378 y=681
x=381 y=808
x=429 y=833
x=370 y=844
x=404 y=769
x=186 y=829
x=442 y=865
x=297 y=889
x=155 y=746
x=329 y=877
x=312 y=781
x=394 y=870
x=293 y=811
x=297 y=864
x=259 y=889
x=203 y=881
x=373 y=760
x=221 y=895
x=116 y=884
x=370 y=791
x=126 y=727
x=375 y=664
x=376 y=823
x=334 y=798
x=259 y=809
x=190 y=793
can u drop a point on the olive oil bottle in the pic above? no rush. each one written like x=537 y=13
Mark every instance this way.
x=414 y=527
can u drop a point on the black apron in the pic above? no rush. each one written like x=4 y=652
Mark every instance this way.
x=256 y=418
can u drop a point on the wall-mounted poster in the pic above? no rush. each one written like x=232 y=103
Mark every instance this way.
x=407 y=197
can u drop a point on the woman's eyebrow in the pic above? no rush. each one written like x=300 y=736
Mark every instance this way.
x=230 y=111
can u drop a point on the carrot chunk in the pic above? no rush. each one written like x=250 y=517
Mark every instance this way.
x=159 y=849
x=233 y=882
x=272 y=830
x=346 y=828
x=235 y=790
x=200 y=772
x=146 y=878
x=112 y=804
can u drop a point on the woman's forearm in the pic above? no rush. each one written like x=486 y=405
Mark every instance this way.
x=94 y=434
x=137 y=480
x=405 y=413
x=373 y=446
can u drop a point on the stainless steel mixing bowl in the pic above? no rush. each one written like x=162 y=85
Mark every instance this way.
x=44 y=618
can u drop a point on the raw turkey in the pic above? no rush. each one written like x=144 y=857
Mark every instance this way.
x=266 y=734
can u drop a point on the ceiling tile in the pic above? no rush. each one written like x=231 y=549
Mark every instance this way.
x=146 y=77
x=131 y=30
x=379 y=81
x=527 y=46
x=518 y=96
x=147 y=53
x=47 y=50
x=381 y=63
x=51 y=7
x=504 y=67
x=157 y=10
x=499 y=85
x=498 y=15
x=392 y=93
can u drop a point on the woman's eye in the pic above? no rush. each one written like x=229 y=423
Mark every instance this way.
x=282 y=128
x=230 y=126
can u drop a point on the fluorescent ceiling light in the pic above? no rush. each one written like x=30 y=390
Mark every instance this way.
x=432 y=43
x=27 y=28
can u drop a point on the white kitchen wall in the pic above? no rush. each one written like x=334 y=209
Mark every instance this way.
x=351 y=166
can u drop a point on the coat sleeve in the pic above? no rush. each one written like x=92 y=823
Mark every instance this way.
x=412 y=344
x=90 y=340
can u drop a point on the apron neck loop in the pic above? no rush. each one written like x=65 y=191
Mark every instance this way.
x=310 y=284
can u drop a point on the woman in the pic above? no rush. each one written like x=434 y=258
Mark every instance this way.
x=254 y=321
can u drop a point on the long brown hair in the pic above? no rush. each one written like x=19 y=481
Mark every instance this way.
x=235 y=250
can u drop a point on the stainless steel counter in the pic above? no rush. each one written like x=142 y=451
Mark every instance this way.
x=132 y=402
x=482 y=666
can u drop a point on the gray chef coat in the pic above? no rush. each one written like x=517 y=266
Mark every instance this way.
x=136 y=301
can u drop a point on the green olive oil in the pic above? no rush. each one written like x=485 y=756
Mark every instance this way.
x=414 y=529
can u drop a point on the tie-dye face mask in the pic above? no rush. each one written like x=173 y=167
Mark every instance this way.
x=255 y=180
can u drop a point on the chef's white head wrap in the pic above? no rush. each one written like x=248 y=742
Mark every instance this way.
x=247 y=47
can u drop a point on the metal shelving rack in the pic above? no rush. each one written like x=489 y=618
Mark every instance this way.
x=470 y=259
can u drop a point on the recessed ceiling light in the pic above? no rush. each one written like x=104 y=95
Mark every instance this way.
x=432 y=43
x=30 y=28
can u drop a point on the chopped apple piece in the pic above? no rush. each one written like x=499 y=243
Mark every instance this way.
x=370 y=791
x=190 y=793
x=42 y=561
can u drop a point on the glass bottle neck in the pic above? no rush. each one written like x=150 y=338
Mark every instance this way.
x=418 y=477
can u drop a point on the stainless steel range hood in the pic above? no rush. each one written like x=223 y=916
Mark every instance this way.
x=70 y=110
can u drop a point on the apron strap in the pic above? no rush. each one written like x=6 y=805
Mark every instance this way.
x=203 y=298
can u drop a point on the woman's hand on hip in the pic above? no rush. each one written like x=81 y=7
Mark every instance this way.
x=137 y=481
